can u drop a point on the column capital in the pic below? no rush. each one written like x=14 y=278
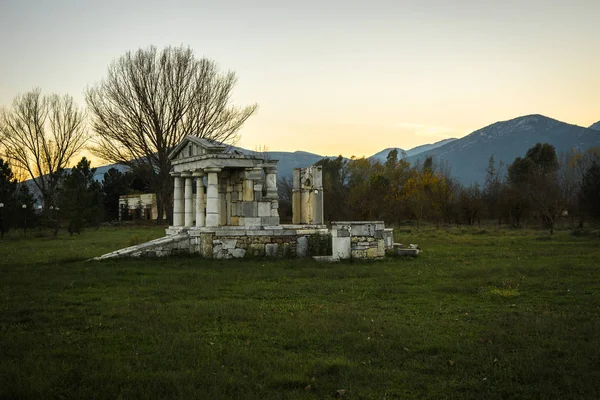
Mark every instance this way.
x=175 y=174
x=213 y=169
x=186 y=174
x=198 y=173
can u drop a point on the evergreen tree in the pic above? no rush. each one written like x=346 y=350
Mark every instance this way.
x=590 y=191
x=81 y=197
x=8 y=190
x=114 y=185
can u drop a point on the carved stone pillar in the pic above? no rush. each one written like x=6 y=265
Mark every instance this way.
x=271 y=182
x=212 y=196
x=177 y=200
x=199 y=198
x=189 y=199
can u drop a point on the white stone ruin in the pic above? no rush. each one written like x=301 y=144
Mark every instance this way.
x=226 y=205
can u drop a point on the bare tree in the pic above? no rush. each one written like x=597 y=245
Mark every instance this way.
x=41 y=134
x=150 y=100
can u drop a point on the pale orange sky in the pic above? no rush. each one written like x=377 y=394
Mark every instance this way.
x=333 y=77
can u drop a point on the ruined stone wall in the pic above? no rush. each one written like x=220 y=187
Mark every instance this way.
x=231 y=243
x=360 y=239
x=307 y=195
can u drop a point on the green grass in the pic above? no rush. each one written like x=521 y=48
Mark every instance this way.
x=479 y=315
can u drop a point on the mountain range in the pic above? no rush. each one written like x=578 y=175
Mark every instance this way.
x=468 y=156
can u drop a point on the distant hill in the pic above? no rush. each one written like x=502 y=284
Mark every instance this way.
x=595 y=126
x=426 y=147
x=100 y=171
x=468 y=157
x=382 y=155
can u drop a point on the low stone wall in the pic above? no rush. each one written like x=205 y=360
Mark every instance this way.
x=235 y=242
x=281 y=241
x=360 y=239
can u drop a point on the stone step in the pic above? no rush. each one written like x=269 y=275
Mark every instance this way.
x=145 y=249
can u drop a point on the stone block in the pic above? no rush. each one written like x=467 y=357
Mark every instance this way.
x=228 y=243
x=340 y=233
x=381 y=248
x=264 y=209
x=363 y=229
x=258 y=196
x=269 y=221
x=249 y=209
x=212 y=219
x=388 y=235
x=238 y=253
x=285 y=250
x=248 y=192
x=378 y=234
x=271 y=249
x=252 y=221
x=302 y=246
x=372 y=252
x=287 y=232
x=234 y=220
x=217 y=249
x=253 y=174
x=259 y=232
x=341 y=247
x=407 y=252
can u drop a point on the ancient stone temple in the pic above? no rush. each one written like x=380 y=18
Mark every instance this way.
x=241 y=190
x=226 y=205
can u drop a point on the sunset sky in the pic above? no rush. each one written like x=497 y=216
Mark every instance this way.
x=332 y=77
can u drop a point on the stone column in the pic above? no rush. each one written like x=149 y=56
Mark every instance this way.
x=199 y=198
x=212 y=197
x=296 y=197
x=177 y=200
x=271 y=182
x=189 y=199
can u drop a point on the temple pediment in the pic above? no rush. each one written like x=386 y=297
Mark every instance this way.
x=194 y=154
x=193 y=146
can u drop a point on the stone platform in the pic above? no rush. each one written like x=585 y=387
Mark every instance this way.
x=227 y=242
x=345 y=240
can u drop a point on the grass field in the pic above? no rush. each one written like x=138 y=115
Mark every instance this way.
x=480 y=314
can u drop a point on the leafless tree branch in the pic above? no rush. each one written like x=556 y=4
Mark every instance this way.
x=41 y=134
x=150 y=100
